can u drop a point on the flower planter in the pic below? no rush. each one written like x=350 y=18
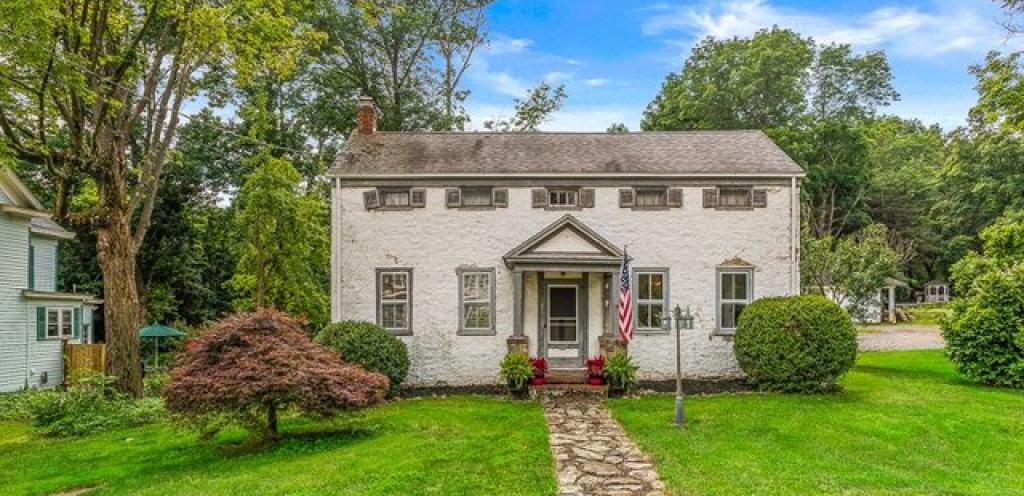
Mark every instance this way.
x=537 y=381
x=595 y=381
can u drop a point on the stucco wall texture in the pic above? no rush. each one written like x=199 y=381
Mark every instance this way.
x=691 y=242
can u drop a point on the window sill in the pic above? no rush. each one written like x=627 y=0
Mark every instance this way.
x=653 y=332
x=724 y=333
x=562 y=207
x=734 y=209
x=476 y=208
x=476 y=332
x=653 y=208
x=400 y=332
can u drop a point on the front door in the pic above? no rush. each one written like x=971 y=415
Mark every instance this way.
x=563 y=335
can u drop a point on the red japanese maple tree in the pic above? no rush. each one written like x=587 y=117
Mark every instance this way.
x=248 y=366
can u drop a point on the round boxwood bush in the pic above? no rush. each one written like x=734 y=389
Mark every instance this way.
x=985 y=329
x=370 y=346
x=795 y=343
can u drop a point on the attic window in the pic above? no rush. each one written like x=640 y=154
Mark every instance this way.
x=562 y=197
x=395 y=198
x=477 y=197
x=648 y=197
x=734 y=198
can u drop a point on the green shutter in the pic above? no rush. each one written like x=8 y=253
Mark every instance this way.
x=76 y=328
x=40 y=323
x=31 y=266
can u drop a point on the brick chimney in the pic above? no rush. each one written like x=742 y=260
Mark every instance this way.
x=366 y=117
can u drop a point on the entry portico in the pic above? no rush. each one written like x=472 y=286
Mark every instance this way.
x=565 y=265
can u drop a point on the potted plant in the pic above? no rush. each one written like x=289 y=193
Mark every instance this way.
x=517 y=371
x=540 y=365
x=595 y=371
x=620 y=372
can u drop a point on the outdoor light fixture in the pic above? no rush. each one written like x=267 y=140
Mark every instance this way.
x=683 y=322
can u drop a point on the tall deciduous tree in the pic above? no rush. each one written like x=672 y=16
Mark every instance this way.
x=282 y=242
x=532 y=111
x=94 y=88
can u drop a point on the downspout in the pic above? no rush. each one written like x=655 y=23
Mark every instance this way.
x=794 y=236
x=336 y=250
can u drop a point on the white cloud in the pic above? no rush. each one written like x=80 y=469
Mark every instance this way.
x=501 y=44
x=950 y=27
x=596 y=82
x=555 y=77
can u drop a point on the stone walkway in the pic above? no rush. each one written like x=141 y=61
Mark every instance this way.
x=592 y=453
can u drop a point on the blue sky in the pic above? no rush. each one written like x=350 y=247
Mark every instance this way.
x=612 y=55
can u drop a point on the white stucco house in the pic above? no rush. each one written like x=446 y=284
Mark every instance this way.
x=35 y=318
x=468 y=245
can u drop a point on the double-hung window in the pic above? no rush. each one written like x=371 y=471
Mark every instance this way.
x=394 y=300
x=477 y=196
x=735 y=291
x=563 y=197
x=476 y=301
x=59 y=323
x=651 y=197
x=738 y=197
x=395 y=198
x=651 y=299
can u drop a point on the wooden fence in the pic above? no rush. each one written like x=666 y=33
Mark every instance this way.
x=79 y=357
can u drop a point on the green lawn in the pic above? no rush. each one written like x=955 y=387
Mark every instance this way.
x=458 y=445
x=905 y=424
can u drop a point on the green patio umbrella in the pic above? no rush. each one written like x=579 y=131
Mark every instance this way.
x=157 y=331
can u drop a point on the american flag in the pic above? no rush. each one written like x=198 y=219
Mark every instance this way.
x=625 y=302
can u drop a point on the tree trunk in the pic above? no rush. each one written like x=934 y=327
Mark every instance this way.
x=122 y=310
x=271 y=432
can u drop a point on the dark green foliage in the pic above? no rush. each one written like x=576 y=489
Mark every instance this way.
x=18 y=406
x=620 y=371
x=795 y=343
x=985 y=328
x=516 y=370
x=370 y=346
x=90 y=405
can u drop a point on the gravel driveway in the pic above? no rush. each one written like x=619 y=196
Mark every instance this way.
x=900 y=337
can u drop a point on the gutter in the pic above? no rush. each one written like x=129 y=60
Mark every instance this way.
x=575 y=175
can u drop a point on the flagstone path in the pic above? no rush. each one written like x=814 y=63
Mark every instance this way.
x=592 y=453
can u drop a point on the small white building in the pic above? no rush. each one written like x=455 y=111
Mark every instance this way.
x=35 y=318
x=936 y=291
x=880 y=307
x=468 y=245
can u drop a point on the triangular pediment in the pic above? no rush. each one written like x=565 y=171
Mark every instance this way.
x=14 y=192
x=565 y=239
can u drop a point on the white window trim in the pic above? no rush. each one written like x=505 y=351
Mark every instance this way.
x=572 y=193
x=719 y=301
x=664 y=271
x=407 y=271
x=60 y=322
x=491 y=298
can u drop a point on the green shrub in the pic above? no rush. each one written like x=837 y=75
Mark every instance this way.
x=985 y=329
x=516 y=370
x=620 y=371
x=370 y=346
x=18 y=406
x=153 y=384
x=795 y=343
x=90 y=405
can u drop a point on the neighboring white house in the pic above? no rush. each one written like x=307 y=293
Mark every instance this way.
x=936 y=291
x=468 y=245
x=882 y=305
x=34 y=316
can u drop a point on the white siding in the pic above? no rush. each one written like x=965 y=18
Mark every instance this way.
x=45 y=254
x=691 y=241
x=13 y=278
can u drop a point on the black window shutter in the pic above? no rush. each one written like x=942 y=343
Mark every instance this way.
x=711 y=198
x=675 y=197
x=540 y=198
x=499 y=197
x=626 y=197
x=587 y=197
x=453 y=198
x=370 y=199
x=418 y=198
x=760 y=198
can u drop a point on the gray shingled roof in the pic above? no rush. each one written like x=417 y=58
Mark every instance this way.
x=684 y=152
x=48 y=225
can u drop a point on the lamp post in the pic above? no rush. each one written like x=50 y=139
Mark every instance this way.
x=683 y=321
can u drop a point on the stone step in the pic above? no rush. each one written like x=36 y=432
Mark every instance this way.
x=566 y=376
x=549 y=391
